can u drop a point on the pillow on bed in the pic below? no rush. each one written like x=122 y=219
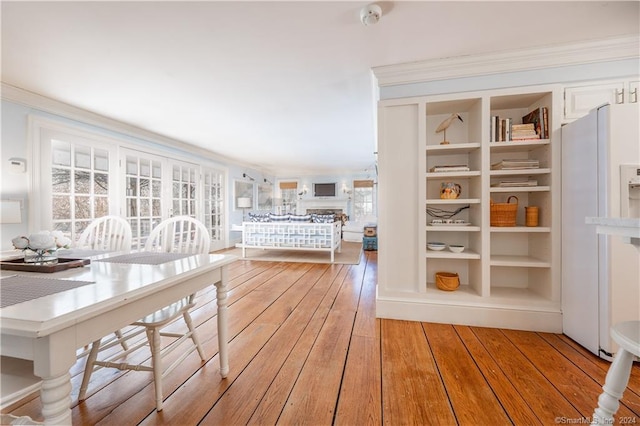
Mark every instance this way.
x=279 y=217
x=258 y=217
x=323 y=218
x=300 y=218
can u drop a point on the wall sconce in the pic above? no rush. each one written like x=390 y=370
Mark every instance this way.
x=10 y=212
x=304 y=190
x=267 y=181
x=345 y=189
x=244 y=203
x=244 y=175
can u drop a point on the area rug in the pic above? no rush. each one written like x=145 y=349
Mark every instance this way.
x=350 y=255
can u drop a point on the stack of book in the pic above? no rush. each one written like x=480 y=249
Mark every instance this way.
x=515 y=164
x=450 y=168
x=515 y=183
x=523 y=132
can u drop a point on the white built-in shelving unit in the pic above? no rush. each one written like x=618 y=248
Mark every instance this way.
x=510 y=276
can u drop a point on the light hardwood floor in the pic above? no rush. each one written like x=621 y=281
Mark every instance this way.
x=306 y=348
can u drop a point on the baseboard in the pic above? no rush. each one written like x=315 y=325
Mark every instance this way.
x=516 y=319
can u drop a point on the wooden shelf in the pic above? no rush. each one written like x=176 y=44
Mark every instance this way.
x=518 y=146
x=454 y=148
x=519 y=172
x=453 y=201
x=441 y=175
x=447 y=254
x=518 y=261
x=451 y=228
x=520 y=229
x=522 y=189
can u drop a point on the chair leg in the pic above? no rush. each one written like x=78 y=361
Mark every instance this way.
x=88 y=369
x=153 y=335
x=123 y=343
x=614 y=386
x=194 y=336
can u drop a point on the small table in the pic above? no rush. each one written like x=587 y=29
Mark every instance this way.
x=49 y=329
x=625 y=334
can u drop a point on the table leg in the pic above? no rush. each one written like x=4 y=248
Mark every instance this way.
x=614 y=385
x=223 y=341
x=54 y=357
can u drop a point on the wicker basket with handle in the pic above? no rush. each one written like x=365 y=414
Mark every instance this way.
x=504 y=214
x=447 y=281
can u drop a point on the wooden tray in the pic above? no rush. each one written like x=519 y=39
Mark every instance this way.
x=61 y=265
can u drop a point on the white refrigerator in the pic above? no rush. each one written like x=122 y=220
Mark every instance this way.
x=600 y=273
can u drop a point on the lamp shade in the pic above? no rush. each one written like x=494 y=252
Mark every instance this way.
x=244 y=202
x=10 y=212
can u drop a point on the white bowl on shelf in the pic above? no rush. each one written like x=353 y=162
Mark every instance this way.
x=436 y=246
x=456 y=248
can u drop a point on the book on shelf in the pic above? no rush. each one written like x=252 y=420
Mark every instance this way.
x=450 y=168
x=515 y=183
x=537 y=118
x=515 y=164
x=494 y=128
x=523 y=127
x=506 y=129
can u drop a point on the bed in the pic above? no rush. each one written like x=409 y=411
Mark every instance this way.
x=293 y=233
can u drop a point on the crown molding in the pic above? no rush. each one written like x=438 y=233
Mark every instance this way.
x=52 y=106
x=603 y=50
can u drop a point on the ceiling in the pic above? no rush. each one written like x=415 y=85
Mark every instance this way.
x=285 y=87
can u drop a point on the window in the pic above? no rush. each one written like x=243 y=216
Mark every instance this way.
x=83 y=176
x=363 y=204
x=214 y=205
x=143 y=194
x=78 y=178
x=289 y=194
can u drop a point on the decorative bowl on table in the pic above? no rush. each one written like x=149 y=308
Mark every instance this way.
x=433 y=245
x=456 y=248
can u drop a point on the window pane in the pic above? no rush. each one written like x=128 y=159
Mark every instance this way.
x=61 y=207
x=144 y=207
x=83 y=208
x=83 y=157
x=145 y=169
x=81 y=226
x=132 y=207
x=176 y=173
x=156 y=191
x=61 y=153
x=64 y=227
x=60 y=180
x=101 y=207
x=101 y=183
x=101 y=160
x=132 y=187
x=144 y=188
x=155 y=204
x=132 y=166
x=82 y=184
x=157 y=169
x=176 y=190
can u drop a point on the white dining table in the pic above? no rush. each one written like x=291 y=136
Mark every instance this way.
x=48 y=330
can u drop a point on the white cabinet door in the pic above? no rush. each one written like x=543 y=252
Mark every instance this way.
x=579 y=100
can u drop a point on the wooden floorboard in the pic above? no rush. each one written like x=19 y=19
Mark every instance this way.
x=307 y=348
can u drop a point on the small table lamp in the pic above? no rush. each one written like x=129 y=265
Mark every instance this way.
x=244 y=203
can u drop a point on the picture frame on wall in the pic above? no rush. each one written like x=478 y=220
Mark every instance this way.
x=265 y=196
x=241 y=192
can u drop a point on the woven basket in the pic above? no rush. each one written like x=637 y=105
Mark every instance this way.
x=447 y=281
x=504 y=214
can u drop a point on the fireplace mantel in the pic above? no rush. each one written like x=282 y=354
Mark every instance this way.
x=323 y=203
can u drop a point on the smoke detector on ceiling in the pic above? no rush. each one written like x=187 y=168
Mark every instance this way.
x=370 y=14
